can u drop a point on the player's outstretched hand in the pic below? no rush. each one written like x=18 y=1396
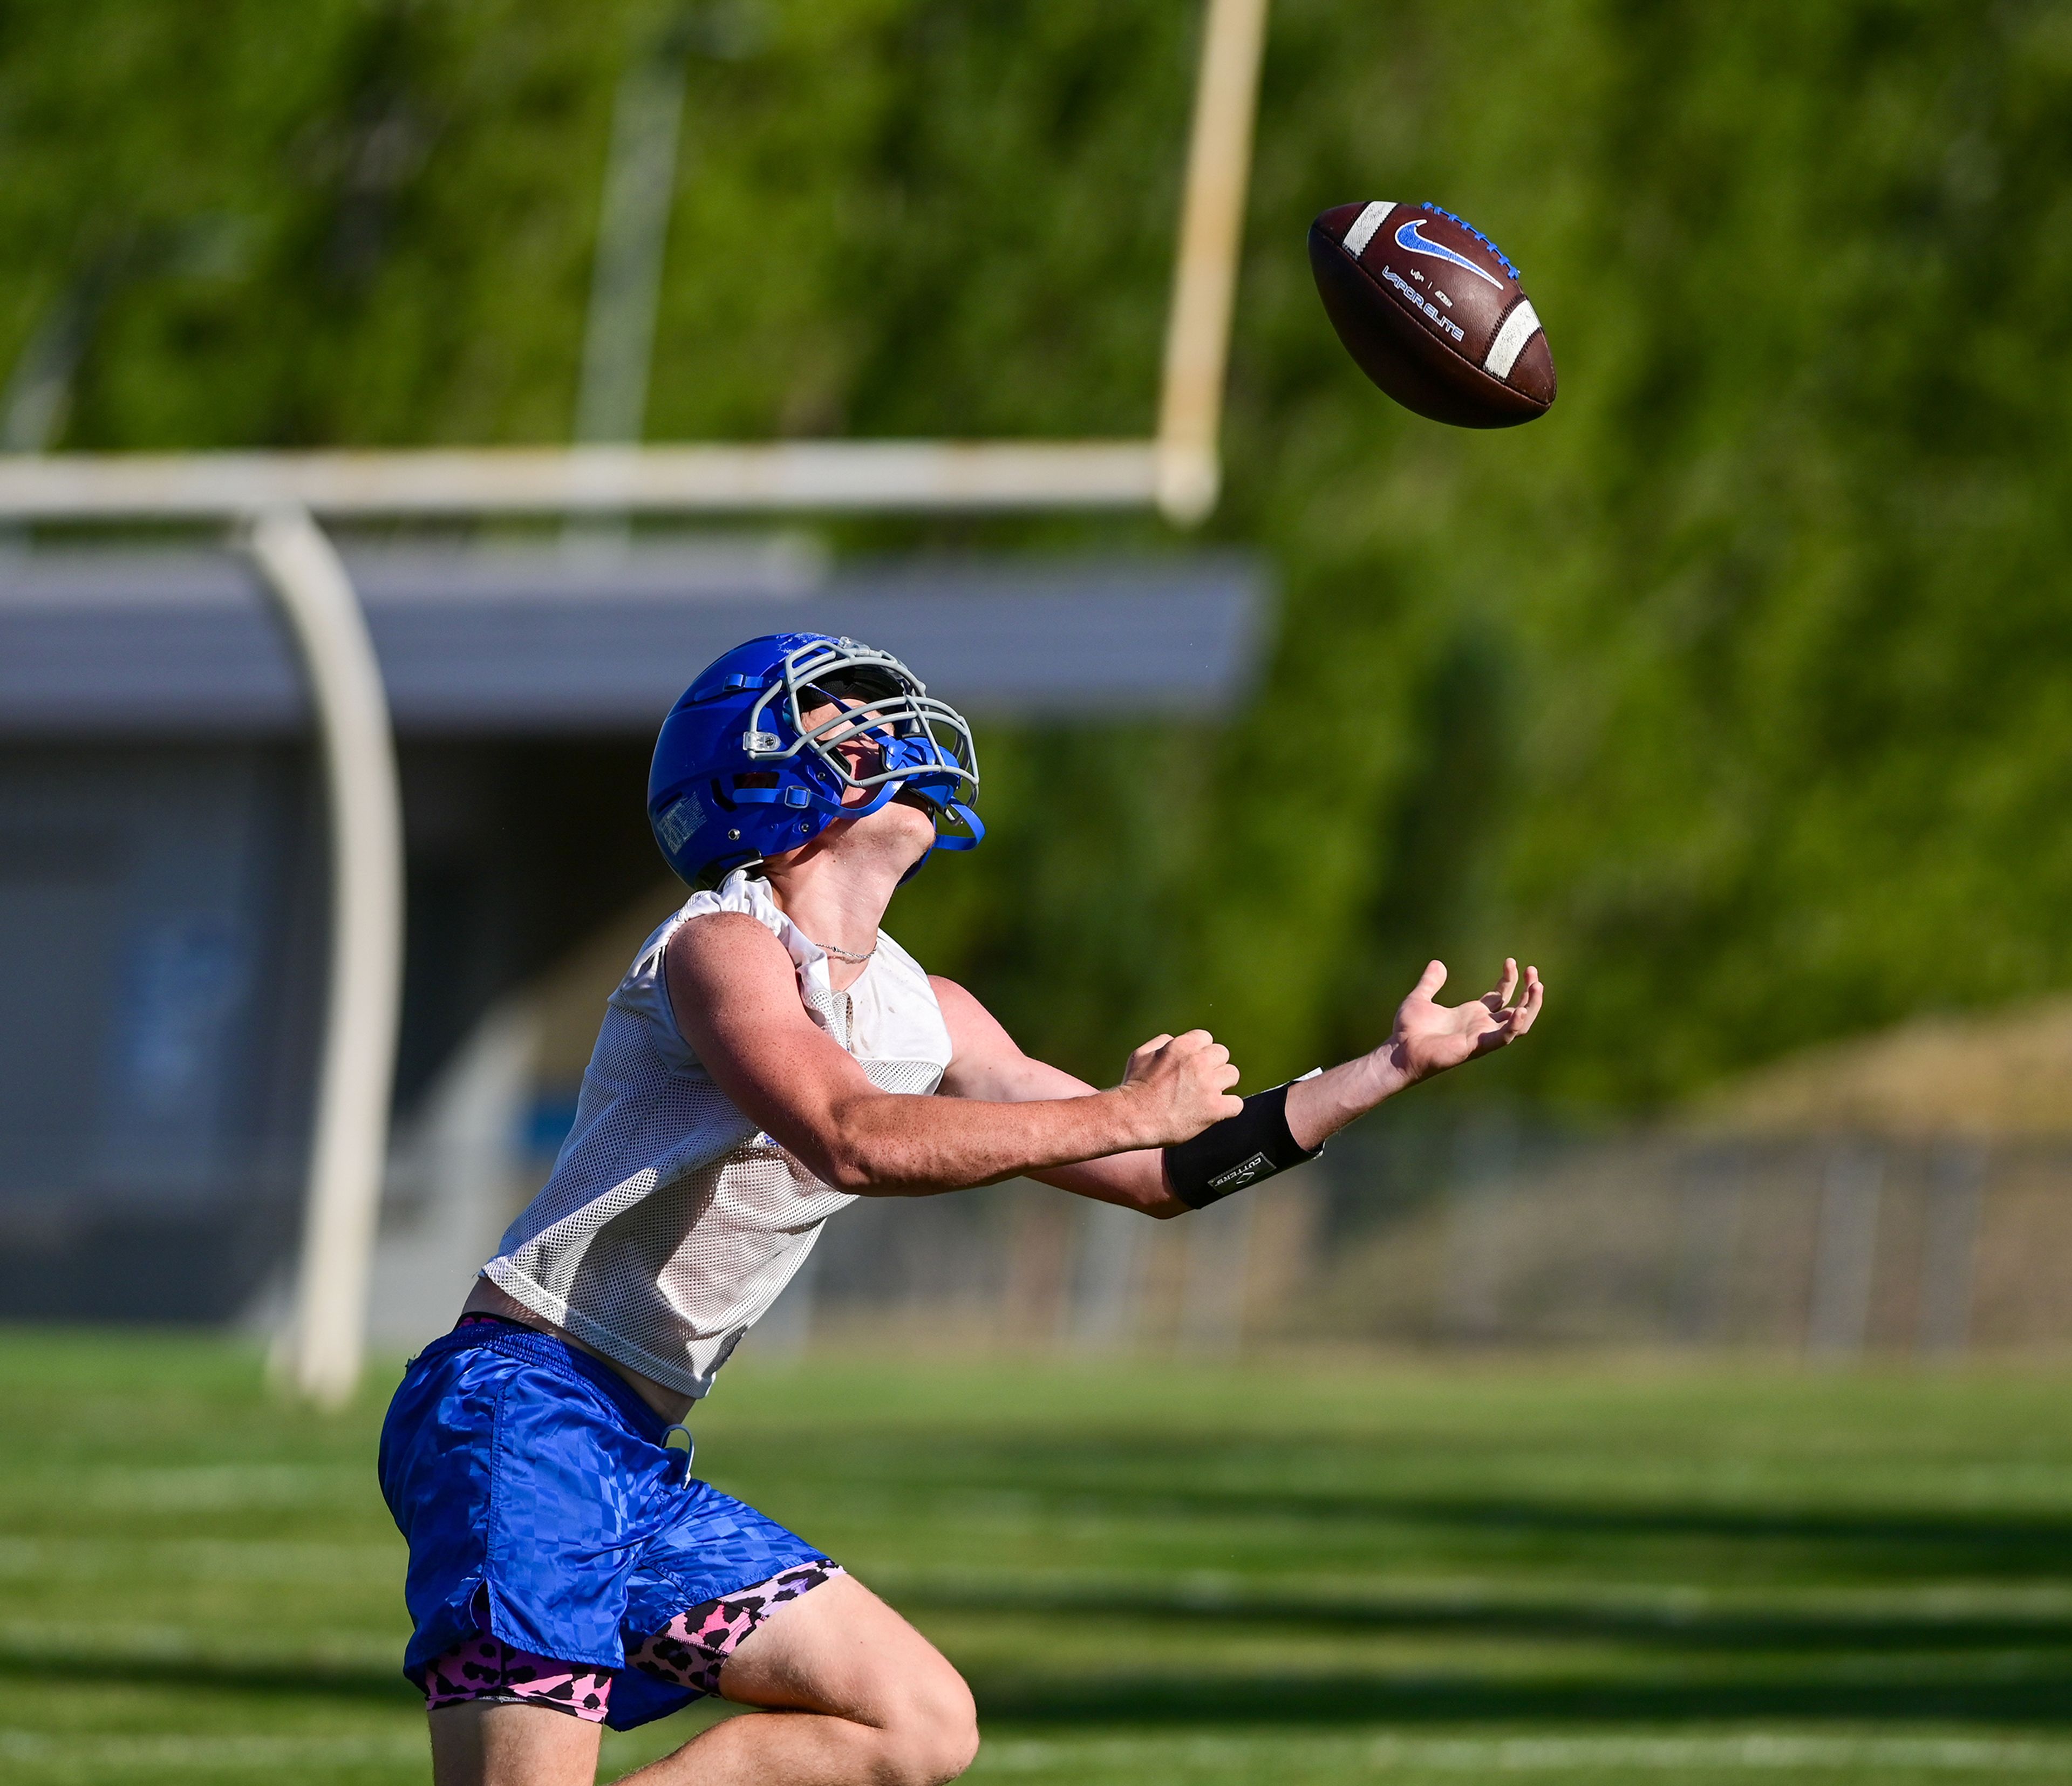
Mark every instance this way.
x=1429 y=1037
x=1182 y=1084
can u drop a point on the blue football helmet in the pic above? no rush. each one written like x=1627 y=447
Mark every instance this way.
x=739 y=774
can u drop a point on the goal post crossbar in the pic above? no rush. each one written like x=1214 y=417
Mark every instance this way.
x=782 y=477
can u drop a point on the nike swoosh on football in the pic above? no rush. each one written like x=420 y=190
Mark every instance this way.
x=1408 y=237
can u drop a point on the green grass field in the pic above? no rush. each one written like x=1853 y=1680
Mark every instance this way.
x=1149 y=1573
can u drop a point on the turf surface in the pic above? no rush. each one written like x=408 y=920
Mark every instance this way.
x=1149 y=1573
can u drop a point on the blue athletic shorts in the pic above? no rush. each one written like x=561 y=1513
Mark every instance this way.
x=539 y=1503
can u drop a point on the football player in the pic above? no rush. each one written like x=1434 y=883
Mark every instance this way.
x=770 y=1056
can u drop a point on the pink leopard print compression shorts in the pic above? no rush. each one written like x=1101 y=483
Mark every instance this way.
x=687 y=1651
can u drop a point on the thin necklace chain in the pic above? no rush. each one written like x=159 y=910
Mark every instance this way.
x=846 y=955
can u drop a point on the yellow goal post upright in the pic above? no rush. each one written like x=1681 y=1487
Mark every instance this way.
x=274 y=505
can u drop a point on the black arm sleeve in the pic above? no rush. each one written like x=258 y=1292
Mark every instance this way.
x=1239 y=1151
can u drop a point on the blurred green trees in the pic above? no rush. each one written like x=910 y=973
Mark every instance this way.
x=1737 y=693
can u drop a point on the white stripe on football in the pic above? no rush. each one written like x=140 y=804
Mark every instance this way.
x=1365 y=226
x=1519 y=328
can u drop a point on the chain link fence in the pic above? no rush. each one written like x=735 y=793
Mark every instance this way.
x=1487 y=1233
x=1481 y=1231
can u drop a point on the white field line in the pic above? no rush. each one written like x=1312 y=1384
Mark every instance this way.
x=1751 y=1752
x=204 y=1559
x=1748 y=1752
x=171 y=1752
x=338 y=1648
x=216 y=1488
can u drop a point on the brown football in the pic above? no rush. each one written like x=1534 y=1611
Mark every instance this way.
x=1432 y=312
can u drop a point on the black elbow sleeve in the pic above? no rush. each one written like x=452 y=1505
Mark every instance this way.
x=1238 y=1152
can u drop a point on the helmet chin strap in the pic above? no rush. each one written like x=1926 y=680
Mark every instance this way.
x=957 y=813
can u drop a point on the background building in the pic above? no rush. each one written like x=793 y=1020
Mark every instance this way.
x=162 y=859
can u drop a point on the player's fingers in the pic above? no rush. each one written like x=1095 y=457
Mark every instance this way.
x=1141 y=1055
x=1506 y=983
x=1516 y=1021
x=1429 y=982
x=1536 y=992
x=1224 y=1077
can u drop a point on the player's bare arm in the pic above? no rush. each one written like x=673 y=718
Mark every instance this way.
x=1427 y=1039
x=735 y=991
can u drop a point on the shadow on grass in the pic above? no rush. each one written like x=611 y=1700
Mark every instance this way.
x=1139 y=1489
x=361 y=1683
x=1166 y=1700
x=2042 y=1544
x=1314 y=1699
x=1148 y=1698
x=1669 y=1628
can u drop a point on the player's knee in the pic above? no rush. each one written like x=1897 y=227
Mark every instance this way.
x=932 y=1736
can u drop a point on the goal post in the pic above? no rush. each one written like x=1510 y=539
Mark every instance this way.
x=1189 y=464
x=363 y=806
x=274 y=503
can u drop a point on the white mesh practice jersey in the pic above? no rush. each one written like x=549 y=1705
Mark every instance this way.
x=671 y=1223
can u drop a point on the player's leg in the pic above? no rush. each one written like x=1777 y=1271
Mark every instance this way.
x=489 y=1743
x=856 y=1695
x=501 y=1716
